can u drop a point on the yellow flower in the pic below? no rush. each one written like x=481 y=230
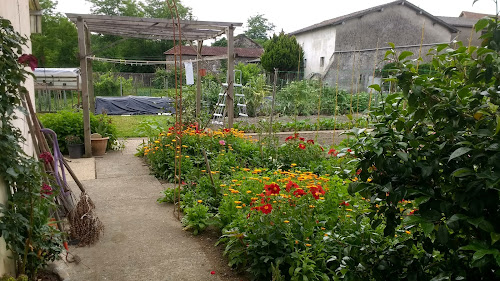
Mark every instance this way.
x=184 y=146
x=322 y=198
x=203 y=171
x=312 y=206
x=296 y=241
x=222 y=185
x=157 y=141
x=225 y=194
x=237 y=202
x=200 y=201
x=326 y=234
x=234 y=180
x=293 y=165
x=238 y=207
x=286 y=221
x=355 y=179
x=187 y=156
x=249 y=191
x=323 y=228
x=369 y=180
x=349 y=210
x=174 y=140
x=308 y=245
x=408 y=232
x=347 y=216
x=244 y=205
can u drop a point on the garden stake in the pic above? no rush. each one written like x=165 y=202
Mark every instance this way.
x=373 y=78
x=319 y=106
x=336 y=101
x=352 y=87
x=209 y=171
x=272 y=102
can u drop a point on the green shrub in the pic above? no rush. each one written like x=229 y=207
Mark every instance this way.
x=69 y=123
x=437 y=145
x=196 y=218
x=108 y=84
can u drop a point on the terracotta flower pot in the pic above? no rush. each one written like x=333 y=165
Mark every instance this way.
x=99 y=146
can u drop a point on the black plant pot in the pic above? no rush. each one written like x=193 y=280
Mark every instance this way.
x=76 y=150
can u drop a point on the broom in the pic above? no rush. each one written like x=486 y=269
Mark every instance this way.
x=84 y=225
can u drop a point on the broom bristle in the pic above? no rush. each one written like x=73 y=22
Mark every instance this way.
x=84 y=225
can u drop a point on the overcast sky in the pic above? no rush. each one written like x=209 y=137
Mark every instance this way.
x=291 y=15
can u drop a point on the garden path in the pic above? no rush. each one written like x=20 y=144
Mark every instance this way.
x=142 y=240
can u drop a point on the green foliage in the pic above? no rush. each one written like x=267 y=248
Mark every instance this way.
x=220 y=43
x=248 y=71
x=169 y=195
x=10 y=278
x=196 y=218
x=436 y=144
x=258 y=27
x=24 y=219
x=69 y=123
x=57 y=45
x=282 y=52
x=256 y=90
x=108 y=84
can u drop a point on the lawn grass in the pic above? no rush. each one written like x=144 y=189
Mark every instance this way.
x=130 y=126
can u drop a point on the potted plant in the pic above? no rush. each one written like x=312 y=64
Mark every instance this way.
x=99 y=144
x=75 y=146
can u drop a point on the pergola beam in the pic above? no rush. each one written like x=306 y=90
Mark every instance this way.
x=80 y=24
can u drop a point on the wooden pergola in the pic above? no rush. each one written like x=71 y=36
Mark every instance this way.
x=154 y=29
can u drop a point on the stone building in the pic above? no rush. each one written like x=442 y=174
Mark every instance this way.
x=347 y=49
x=465 y=25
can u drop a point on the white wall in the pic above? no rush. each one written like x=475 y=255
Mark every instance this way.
x=316 y=44
x=17 y=11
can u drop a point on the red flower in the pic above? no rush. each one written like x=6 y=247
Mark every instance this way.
x=344 y=203
x=291 y=185
x=226 y=130
x=302 y=146
x=29 y=60
x=317 y=191
x=289 y=138
x=333 y=152
x=310 y=141
x=302 y=139
x=266 y=209
x=212 y=272
x=272 y=189
x=299 y=192
x=358 y=172
x=412 y=212
x=349 y=150
x=46 y=190
x=322 y=149
x=46 y=157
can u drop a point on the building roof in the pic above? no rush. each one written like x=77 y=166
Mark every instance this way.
x=218 y=51
x=460 y=22
x=341 y=19
x=472 y=15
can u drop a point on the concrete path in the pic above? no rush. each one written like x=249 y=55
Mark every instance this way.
x=142 y=240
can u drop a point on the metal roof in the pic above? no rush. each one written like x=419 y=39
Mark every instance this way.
x=341 y=19
x=152 y=28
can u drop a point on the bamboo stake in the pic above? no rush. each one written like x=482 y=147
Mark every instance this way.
x=209 y=171
x=336 y=101
x=373 y=77
x=272 y=103
x=352 y=88
x=421 y=43
x=319 y=106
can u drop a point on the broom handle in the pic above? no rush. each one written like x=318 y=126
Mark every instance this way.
x=80 y=185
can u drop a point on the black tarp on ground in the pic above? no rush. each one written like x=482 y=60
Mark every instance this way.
x=133 y=105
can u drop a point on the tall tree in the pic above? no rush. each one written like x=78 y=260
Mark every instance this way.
x=282 y=52
x=259 y=27
x=57 y=45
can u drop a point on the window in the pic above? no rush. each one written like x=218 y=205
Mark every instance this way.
x=321 y=61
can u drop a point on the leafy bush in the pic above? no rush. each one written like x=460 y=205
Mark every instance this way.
x=196 y=218
x=69 y=123
x=282 y=52
x=248 y=71
x=436 y=144
x=108 y=84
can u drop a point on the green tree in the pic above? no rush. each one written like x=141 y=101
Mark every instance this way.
x=57 y=45
x=259 y=27
x=282 y=52
x=220 y=43
x=132 y=48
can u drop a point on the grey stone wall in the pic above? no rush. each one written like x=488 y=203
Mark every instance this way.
x=397 y=24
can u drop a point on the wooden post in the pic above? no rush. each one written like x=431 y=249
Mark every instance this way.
x=272 y=102
x=230 y=77
x=85 y=94
x=90 y=76
x=198 y=80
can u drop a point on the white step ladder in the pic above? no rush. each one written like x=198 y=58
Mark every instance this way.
x=240 y=101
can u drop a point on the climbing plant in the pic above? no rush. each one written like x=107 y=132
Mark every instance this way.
x=24 y=220
x=436 y=145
